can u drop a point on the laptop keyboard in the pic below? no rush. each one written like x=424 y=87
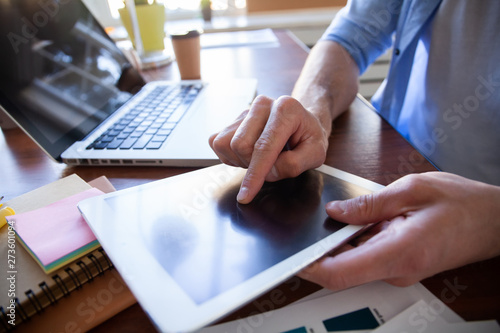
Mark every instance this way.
x=150 y=122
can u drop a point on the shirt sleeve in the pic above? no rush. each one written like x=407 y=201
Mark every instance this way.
x=365 y=29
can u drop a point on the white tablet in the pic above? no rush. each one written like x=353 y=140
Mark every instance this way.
x=191 y=253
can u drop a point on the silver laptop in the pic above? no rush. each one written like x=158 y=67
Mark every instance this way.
x=69 y=87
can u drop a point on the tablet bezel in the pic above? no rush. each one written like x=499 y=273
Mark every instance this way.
x=168 y=305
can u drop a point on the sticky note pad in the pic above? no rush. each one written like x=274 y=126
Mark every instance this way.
x=57 y=234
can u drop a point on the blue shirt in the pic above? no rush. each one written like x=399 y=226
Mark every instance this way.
x=443 y=52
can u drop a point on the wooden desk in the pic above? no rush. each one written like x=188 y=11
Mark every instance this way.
x=362 y=143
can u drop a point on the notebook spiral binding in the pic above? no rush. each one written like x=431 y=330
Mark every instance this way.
x=59 y=285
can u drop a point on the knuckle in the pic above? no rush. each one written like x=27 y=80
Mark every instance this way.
x=262 y=100
x=362 y=205
x=241 y=145
x=417 y=182
x=263 y=143
x=286 y=101
x=413 y=182
x=286 y=106
x=413 y=187
x=219 y=143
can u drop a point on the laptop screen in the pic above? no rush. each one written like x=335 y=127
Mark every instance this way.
x=60 y=74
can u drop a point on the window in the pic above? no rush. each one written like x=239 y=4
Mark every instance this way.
x=107 y=12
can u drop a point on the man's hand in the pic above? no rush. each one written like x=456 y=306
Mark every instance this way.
x=282 y=138
x=428 y=223
x=274 y=139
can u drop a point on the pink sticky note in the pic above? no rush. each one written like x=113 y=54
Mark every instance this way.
x=55 y=230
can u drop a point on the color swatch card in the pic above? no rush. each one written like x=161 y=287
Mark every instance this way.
x=360 y=309
x=56 y=234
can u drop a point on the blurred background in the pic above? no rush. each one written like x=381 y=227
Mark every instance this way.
x=307 y=20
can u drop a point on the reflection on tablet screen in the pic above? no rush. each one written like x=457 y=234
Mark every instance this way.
x=226 y=243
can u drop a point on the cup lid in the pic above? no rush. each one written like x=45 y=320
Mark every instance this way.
x=185 y=34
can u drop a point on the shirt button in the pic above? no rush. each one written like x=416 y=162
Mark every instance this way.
x=396 y=51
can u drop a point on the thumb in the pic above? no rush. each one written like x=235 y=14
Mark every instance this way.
x=385 y=204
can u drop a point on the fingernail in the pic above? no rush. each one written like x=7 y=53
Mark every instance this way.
x=274 y=172
x=242 y=195
x=336 y=207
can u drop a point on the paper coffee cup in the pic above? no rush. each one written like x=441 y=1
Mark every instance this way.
x=187 y=49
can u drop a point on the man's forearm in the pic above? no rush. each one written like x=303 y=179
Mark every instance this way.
x=328 y=82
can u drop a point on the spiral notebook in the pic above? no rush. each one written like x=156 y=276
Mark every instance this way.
x=67 y=288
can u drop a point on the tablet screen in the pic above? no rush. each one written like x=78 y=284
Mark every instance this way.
x=209 y=243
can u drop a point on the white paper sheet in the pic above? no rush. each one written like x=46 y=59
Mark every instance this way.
x=263 y=37
x=422 y=317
